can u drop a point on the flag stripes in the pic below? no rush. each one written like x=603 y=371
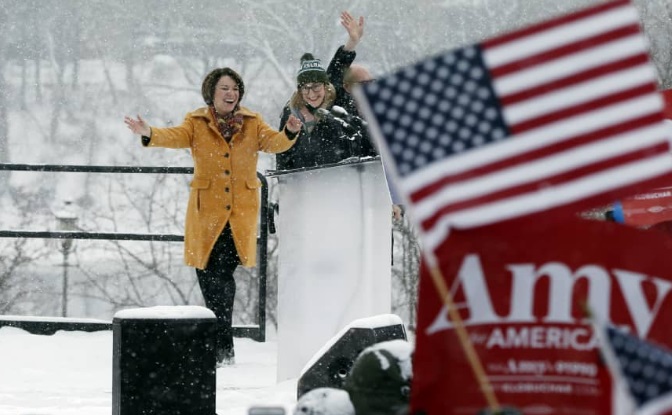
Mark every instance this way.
x=575 y=116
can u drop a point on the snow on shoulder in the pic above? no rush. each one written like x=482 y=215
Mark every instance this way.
x=165 y=312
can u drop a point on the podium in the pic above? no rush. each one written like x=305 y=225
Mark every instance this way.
x=335 y=250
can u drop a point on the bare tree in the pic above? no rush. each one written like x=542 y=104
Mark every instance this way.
x=16 y=256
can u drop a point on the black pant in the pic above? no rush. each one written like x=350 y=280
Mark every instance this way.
x=219 y=289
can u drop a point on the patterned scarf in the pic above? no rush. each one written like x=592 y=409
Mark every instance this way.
x=228 y=124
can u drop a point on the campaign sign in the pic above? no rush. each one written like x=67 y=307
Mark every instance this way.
x=524 y=291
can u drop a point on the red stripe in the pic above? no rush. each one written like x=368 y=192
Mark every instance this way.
x=545 y=183
x=550 y=24
x=564 y=145
x=574 y=79
x=584 y=107
x=565 y=50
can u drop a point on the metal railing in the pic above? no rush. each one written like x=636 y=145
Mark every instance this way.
x=51 y=325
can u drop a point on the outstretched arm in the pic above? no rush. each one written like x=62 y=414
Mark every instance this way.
x=355 y=28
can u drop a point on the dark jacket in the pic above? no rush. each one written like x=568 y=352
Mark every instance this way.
x=363 y=144
x=328 y=141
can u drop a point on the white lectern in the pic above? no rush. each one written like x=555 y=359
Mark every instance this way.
x=335 y=235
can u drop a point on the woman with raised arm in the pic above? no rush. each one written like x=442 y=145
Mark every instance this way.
x=223 y=207
x=323 y=139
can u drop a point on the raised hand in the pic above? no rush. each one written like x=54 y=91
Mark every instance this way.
x=293 y=124
x=355 y=28
x=138 y=126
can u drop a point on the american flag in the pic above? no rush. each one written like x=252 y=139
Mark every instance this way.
x=642 y=368
x=578 y=96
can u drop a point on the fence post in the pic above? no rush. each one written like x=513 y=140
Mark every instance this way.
x=164 y=361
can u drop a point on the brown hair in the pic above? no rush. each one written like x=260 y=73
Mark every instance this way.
x=211 y=79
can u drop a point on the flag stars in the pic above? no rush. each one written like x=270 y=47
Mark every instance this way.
x=420 y=161
x=457 y=112
x=404 y=86
x=483 y=93
x=456 y=79
x=477 y=140
x=661 y=376
x=484 y=127
x=651 y=391
x=438 y=119
x=438 y=152
x=498 y=134
x=410 y=72
x=469 y=52
x=446 y=101
x=426 y=147
x=431 y=100
x=413 y=140
x=476 y=73
x=462 y=66
x=458 y=146
x=385 y=94
x=380 y=108
x=450 y=92
x=393 y=113
x=452 y=126
x=449 y=59
x=490 y=114
x=412 y=106
x=436 y=86
x=429 y=65
x=477 y=106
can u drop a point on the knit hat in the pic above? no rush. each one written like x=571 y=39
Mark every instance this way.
x=311 y=70
x=379 y=381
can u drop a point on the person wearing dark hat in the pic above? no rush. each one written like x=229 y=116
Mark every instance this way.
x=323 y=139
x=379 y=381
x=223 y=209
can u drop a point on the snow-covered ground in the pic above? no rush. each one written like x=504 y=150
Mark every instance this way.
x=70 y=373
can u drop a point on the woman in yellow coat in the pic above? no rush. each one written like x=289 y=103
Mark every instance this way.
x=223 y=209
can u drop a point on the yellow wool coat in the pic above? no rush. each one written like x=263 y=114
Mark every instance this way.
x=225 y=187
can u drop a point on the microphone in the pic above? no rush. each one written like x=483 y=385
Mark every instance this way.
x=343 y=123
x=324 y=113
x=340 y=112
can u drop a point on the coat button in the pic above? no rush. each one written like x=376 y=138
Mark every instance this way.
x=226 y=172
x=226 y=155
x=226 y=189
x=228 y=207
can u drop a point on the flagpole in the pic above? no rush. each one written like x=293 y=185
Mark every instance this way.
x=463 y=336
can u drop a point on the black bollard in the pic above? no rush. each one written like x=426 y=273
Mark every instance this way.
x=164 y=361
